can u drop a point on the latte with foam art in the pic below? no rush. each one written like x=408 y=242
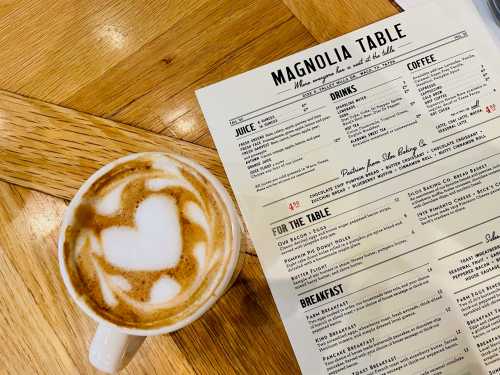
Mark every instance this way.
x=148 y=242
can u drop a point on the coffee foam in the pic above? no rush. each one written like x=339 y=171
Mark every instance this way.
x=157 y=227
x=148 y=243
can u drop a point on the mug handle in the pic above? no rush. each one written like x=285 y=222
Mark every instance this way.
x=111 y=350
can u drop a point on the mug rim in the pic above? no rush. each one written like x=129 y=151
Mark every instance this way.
x=215 y=295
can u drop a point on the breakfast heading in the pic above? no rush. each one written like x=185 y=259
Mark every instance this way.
x=337 y=55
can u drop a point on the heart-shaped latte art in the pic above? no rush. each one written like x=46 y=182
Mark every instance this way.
x=154 y=244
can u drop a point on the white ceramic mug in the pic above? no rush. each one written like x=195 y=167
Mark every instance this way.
x=114 y=346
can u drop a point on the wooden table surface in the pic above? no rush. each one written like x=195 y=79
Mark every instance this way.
x=84 y=82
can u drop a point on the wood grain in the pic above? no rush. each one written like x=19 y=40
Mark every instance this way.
x=52 y=49
x=42 y=331
x=328 y=19
x=47 y=333
x=195 y=45
x=125 y=63
x=285 y=39
x=53 y=149
x=159 y=95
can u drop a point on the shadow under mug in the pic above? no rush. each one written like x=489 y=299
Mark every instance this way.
x=113 y=346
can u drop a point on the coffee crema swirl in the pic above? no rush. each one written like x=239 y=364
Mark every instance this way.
x=148 y=242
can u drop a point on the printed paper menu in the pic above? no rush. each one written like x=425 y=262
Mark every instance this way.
x=367 y=170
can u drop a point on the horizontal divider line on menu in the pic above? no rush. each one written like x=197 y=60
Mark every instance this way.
x=463 y=130
x=303 y=191
x=343 y=81
x=441 y=61
x=333 y=217
x=384 y=181
x=399 y=255
x=368 y=286
x=459 y=251
x=299 y=192
x=279 y=123
x=476 y=284
x=371 y=88
x=386 y=196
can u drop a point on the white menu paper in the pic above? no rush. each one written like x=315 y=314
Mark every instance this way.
x=367 y=169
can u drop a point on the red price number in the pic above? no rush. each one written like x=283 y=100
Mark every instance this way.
x=292 y=206
x=491 y=108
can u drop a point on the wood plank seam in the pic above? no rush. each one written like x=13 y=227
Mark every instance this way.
x=55 y=157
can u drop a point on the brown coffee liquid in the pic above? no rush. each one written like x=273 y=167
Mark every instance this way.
x=124 y=296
